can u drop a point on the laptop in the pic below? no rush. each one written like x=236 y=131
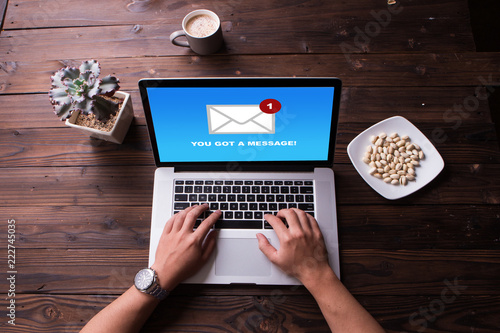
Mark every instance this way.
x=249 y=147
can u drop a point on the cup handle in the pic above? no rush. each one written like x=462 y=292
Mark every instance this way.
x=176 y=34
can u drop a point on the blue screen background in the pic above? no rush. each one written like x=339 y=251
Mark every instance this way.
x=180 y=117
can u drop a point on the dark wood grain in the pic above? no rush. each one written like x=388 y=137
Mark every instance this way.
x=411 y=227
x=404 y=28
x=388 y=70
x=83 y=206
x=49 y=313
x=132 y=185
x=363 y=271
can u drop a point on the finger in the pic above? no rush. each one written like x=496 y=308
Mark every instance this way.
x=313 y=223
x=275 y=222
x=179 y=218
x=291 y=218
x=269 y=251
x=207 y=224
x=168 y=226
x=192 y=215
x=303 y=219
x=209 y=245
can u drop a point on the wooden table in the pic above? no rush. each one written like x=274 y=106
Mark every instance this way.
x=429 y=262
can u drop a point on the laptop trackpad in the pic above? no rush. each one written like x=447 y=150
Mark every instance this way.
x=240 y=257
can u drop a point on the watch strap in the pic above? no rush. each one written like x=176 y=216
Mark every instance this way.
x=158 y=292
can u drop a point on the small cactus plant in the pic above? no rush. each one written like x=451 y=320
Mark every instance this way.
x=80 y=89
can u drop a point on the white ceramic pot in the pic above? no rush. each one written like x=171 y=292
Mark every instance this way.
x=122 y=124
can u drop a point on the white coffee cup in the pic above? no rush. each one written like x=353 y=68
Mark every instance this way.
x=202 y=30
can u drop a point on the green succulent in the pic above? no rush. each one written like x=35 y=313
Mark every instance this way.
x=80 y=89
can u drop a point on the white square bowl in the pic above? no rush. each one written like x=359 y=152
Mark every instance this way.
x=429 y=168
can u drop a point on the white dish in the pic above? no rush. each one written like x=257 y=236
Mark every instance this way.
x=429 y=168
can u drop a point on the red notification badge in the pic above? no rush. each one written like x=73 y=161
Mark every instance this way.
x=270 y=106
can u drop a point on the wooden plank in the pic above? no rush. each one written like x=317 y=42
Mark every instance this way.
x=363 y=271
x=389 y=70
x=71 y=227
x=439 y=105
x=27 y=14
x=37 y=112
x=476 y=143
x=132 y=185
x=317 y=27
x=464 y=184
x=360 y=226
x=418 y=227
x=463 y=144
x=245 y=36
x=54 y=313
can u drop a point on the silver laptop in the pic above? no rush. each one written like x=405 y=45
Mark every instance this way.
x=249 y=147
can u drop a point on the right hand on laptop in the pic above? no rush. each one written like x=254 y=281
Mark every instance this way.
x=302 y=252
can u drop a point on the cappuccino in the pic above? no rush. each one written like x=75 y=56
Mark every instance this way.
x=201 y=25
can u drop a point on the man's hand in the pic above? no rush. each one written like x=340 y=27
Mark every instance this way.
x=302 y=252
x=182 y=251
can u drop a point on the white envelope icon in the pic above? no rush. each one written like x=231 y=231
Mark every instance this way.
x=239 y=119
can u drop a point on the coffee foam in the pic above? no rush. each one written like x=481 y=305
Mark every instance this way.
x=201 y=25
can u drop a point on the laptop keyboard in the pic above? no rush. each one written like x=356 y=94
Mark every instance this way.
x=244 y=202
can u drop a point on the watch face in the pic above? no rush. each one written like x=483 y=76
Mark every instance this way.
x=144 y=279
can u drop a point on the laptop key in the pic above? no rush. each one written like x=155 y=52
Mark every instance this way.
x=306 y=206
x=181 y=205
x=238 y=224
x=306 y=190
x=181 y=197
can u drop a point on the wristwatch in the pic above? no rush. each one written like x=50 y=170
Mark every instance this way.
x=146 y=281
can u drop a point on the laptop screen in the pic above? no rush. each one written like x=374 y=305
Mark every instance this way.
x=241 y=120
